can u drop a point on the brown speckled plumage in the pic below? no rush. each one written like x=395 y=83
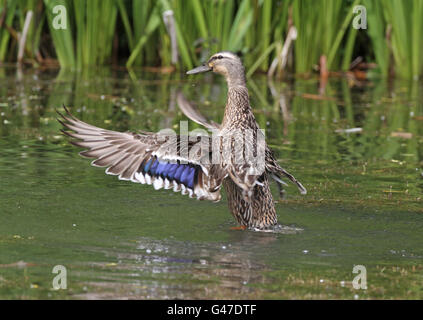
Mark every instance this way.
x=253 y=209
x=258 y=211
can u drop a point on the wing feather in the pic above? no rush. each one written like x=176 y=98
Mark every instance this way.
x=126 y=155
x=192 y=113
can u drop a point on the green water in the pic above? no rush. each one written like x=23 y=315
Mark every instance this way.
x=122 y=240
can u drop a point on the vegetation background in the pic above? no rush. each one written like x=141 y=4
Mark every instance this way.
x=178 y=34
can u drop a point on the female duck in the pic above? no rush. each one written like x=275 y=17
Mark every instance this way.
x=198 y=166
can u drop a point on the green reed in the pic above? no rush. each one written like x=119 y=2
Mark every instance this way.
x=133 y=32
x=15 y=13
x=10 y=6
x=62 y=38
x=321 y=29
x=88 y=38
x=407 y=35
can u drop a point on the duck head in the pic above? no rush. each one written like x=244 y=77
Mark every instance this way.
x=225 y=63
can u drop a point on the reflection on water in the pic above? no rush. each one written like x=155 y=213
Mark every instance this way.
x=178 y=270
x=356 y=146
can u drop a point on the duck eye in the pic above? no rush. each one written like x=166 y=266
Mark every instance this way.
x=220 y=57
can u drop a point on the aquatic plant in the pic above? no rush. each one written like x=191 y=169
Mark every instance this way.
x=178 y=34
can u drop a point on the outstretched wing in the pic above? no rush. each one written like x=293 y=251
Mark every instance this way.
x=277 y=172
x=144 y=158
x=192 y=112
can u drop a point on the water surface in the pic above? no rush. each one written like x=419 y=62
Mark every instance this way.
x=123 y=240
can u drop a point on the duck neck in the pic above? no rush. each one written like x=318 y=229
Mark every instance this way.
x=236 y=78
x=238 y=107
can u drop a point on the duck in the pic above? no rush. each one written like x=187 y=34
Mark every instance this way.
x=235 y=156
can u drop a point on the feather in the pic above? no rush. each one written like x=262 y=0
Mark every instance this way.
x=137 y=157
x=192 y=113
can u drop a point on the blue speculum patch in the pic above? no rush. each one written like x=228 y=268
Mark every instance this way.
x=181 y=173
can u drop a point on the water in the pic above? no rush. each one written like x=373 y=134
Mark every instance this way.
x=123 y=240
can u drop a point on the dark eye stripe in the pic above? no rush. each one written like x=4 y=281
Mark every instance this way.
x=214 y=58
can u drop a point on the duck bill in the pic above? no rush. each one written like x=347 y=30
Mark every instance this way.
x=200 y=69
